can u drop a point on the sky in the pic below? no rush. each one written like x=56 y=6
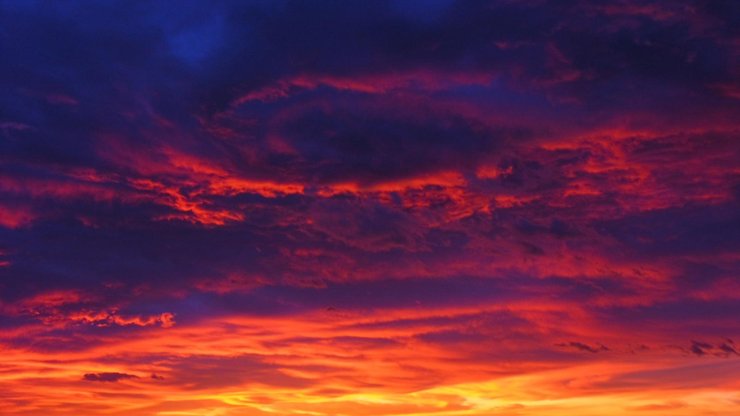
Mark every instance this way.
x=354 y=208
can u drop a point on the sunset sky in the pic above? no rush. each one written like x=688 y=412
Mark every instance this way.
x=354 y=208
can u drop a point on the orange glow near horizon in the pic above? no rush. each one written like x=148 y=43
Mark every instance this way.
x=331 y=363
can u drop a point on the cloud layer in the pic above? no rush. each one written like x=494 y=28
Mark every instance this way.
x=361 y=208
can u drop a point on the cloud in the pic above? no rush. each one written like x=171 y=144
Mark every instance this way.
x=368 y=143
x=108 y=377
x=723 y=349
x=584 y=347
x=199 y=373
x=15 y=217
x=700 y=348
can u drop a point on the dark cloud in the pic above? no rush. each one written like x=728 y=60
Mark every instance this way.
x=700 y=348
x=108 y=377
x=684 y=229
x=728 y=347
x=368 y=144
x=580 y=346
x=723 y=349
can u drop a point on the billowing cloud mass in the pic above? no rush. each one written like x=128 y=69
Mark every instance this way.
x=403 y=207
